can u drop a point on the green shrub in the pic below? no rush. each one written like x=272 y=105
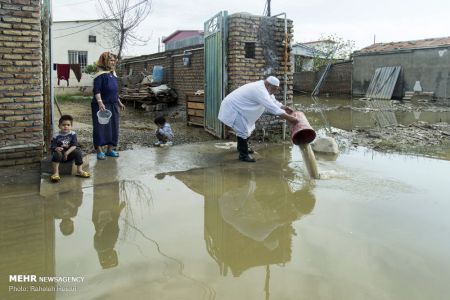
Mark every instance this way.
x=91 y=69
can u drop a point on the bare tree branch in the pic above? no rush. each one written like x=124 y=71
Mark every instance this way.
x=126 y=16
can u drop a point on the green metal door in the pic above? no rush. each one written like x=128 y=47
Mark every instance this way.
x=215 y=70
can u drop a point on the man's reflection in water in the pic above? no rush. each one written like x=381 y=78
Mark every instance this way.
x=105 y=213
x=249 y=214
x=65 y=207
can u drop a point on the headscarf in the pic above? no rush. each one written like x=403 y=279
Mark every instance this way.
x=103 y=65
x=104 y=59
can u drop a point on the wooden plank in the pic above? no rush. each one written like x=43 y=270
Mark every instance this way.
x=196 y=105
x=195 y=120
x=196 y=112
x=195 y=99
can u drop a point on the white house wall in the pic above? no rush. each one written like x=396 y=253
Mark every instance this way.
x=74 y=36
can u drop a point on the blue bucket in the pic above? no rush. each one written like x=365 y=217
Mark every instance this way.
x=158 y=74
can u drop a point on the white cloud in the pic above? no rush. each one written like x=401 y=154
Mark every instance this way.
x=350 y=19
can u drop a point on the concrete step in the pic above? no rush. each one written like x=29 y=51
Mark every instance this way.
x=66 y=168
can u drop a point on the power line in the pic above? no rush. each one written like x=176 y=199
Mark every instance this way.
x=106 y=20
x=57 y=37
x=67 y=28
x=72 y=4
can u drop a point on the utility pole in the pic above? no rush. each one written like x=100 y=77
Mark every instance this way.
x=46 y=22
x=268 y=8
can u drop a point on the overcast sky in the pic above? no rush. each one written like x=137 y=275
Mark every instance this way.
x=357 y=20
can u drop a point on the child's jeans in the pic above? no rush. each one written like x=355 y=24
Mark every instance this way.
x=161 y=137
x=76 y=155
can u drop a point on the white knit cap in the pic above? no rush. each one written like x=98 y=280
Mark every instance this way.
x=273 y=81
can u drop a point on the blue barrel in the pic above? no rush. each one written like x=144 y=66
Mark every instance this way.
x=158 y=74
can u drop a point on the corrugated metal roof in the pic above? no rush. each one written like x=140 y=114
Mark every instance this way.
x=406 y=45
x=383 y=82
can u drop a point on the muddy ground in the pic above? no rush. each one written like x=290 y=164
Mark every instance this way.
x=137 y=129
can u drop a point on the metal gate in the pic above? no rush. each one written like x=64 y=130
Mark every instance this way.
x=215 y=70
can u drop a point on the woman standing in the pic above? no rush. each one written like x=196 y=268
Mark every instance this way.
x=106 y=96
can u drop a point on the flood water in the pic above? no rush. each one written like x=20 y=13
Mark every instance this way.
x=348 y=114
x=215 y=228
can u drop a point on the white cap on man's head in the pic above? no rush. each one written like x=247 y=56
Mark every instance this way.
x=273 y=81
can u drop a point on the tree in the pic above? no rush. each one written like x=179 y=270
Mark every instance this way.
x=331 y=49
x=125 y=16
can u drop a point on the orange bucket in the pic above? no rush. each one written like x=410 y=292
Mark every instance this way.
x=302 y=132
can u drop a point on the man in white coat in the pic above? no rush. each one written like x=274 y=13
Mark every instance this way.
x=244 y=106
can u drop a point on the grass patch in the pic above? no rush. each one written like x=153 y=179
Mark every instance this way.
x=72 y=98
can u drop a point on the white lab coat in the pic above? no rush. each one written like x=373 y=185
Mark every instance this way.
x=244 y=106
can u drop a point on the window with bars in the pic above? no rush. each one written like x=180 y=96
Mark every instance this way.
x=78 y=57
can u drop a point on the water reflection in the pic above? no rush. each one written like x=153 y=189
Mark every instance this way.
x=248 y=215
x=65 y=208
x=105 y=215
x=27 y=243
x=348 y=114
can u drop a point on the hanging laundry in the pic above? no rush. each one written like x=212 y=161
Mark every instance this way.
x=63 y=72
x=76 y=68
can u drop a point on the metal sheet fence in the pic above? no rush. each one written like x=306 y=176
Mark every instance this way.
x=383 y=82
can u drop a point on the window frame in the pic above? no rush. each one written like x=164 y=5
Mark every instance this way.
x=78 y=57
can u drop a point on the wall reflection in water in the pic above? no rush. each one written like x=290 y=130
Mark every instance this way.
x=249 y=214
x=27 y=243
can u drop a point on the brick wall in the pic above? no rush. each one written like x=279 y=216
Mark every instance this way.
x=21 y=102
x=268 y=36
x=188 y=79
x=338 y=81
x=184 y=79
x=305 y=81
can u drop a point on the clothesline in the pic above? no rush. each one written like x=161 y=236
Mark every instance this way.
x=63 y=71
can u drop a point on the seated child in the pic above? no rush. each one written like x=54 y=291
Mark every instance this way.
x=65 y=148
x=163 y=133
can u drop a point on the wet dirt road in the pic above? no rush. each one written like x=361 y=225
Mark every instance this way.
x=191 y=222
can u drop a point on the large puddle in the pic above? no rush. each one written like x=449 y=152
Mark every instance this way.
x=348 y=114
x=377 y=228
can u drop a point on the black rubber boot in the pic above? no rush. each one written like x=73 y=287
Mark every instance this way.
x=250 y=150
x=243 y=150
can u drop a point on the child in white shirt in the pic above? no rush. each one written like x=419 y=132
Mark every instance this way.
x=163 y=133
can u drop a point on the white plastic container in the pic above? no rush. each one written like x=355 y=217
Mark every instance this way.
x=104 y=116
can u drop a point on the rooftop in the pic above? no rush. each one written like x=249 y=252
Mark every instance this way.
x=405 y=45
x=181 y=31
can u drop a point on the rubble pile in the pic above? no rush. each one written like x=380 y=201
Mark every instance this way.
x=400 y=137
x=149 y=97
